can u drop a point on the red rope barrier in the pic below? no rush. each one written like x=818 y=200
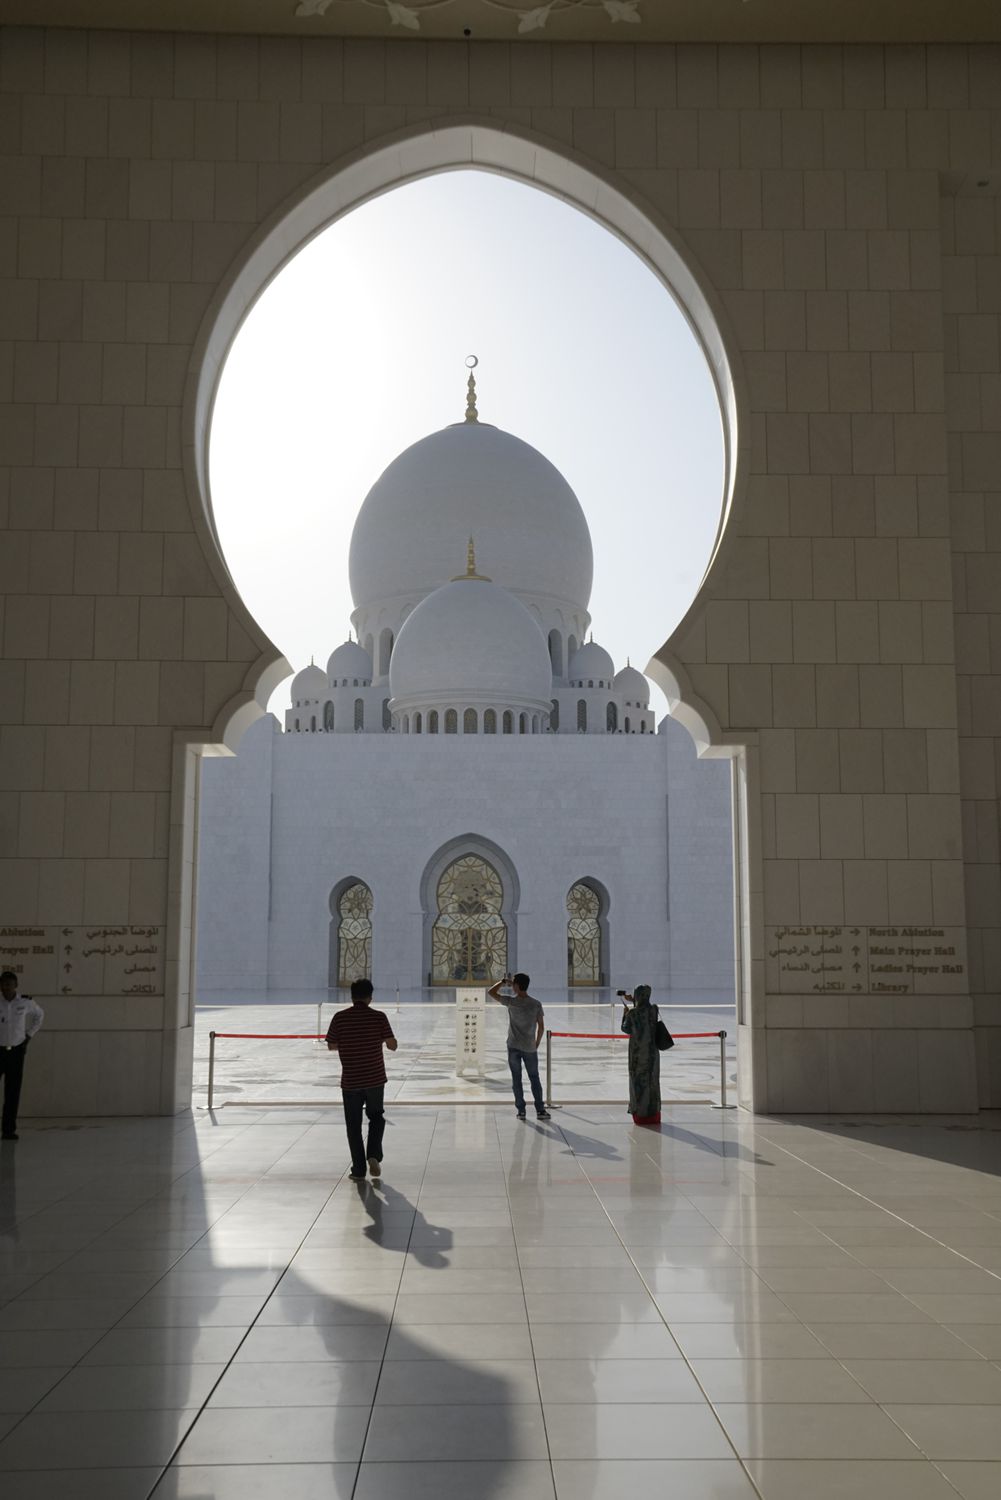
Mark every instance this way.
x=614 y=1036
x=275 y=1036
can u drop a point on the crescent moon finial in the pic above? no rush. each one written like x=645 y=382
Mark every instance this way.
x=471 y=413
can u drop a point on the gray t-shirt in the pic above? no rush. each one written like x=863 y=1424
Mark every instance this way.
x=523 y=1017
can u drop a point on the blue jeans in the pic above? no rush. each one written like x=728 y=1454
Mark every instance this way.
x=515 y=1058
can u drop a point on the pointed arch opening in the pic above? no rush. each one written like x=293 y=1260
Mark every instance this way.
x=469 y=896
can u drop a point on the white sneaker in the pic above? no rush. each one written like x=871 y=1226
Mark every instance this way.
x=374 y=1167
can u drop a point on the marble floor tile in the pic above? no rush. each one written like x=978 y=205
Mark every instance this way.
x=947 y=1431
x=81 y=1484
x=603 y=1341
x=306 y=1383
x=594 y=1382
x=635 y=1432
x=148 y=1387
x=294 y=1481
x=98 y=1440
x=848 y=1479
x=612 y=1478
x=415 y=1434
x=276 y=1435
x=503 y=1479
x=949 y=1382
x=800 y=1430
x=783 y=1380
x=973 y=1480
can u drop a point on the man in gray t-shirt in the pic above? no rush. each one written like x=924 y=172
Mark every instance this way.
x=526 y=1024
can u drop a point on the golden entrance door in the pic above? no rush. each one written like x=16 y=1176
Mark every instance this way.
x=469 y=936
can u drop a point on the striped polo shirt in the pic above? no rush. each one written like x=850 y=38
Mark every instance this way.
x=359 y=1034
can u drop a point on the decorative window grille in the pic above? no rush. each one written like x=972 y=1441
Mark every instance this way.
x=354 y=934
x=584 y=956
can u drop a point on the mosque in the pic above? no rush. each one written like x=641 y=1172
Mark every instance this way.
x=470 y=786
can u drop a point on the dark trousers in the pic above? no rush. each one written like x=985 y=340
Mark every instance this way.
x=369 y=1102
x=515 y=1058
x=12 y=1071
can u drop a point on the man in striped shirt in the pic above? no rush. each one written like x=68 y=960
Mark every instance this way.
x=358 y=1034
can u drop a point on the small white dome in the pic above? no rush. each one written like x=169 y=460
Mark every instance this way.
x=350 y=660
x=309 y=685
x=633 y=686
x=531 y=533
x=471 y=641
x=591 y=663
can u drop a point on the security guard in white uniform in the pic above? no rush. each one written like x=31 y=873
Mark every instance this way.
x=20 y=1018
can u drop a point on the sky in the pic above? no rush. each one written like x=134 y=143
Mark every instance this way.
x=357 y=348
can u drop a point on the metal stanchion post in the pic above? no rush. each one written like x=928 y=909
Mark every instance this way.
x=319 y=1019
x=722 y=1075
x=549 y=1070
x=211 y=1065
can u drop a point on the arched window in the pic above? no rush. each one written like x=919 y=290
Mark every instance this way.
x=469 y=936
x=628 y=730
x=490 y=721
x=554 y=715
x=556 y=652
x=522 y=723
x=297 y=723
x=359 y=713
x=535 y=723
x=387 y=717
x=369 y=647
x=433 y=721
x=642 y=726
x=328 y=716
x=508 y=722
x=571 y=649
x=406 y=723
x=612 y=718
x=451 y=721
x=417 y=723
x=312 y=723
x=584 y=955
x=469 y=721
x=385 y=652
x=351 y=945
x=581 y=716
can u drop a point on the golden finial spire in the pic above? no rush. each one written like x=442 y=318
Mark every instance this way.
x=471 y=413
x=470 y=575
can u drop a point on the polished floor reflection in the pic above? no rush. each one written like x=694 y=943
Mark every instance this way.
x=206 y=1309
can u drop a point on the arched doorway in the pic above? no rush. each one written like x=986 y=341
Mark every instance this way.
x=350 y=933
x=554 y=170
x=587 y=958
x=469 y=934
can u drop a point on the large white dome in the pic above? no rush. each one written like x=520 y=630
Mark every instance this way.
x=471 y=479
x=470 y=642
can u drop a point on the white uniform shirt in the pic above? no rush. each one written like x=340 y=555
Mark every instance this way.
x=19 y=1018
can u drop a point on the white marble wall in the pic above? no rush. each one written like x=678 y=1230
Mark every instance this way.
x=379 y=809
x=807 y=185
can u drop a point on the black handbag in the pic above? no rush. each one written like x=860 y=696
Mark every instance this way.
x=663 y=1037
